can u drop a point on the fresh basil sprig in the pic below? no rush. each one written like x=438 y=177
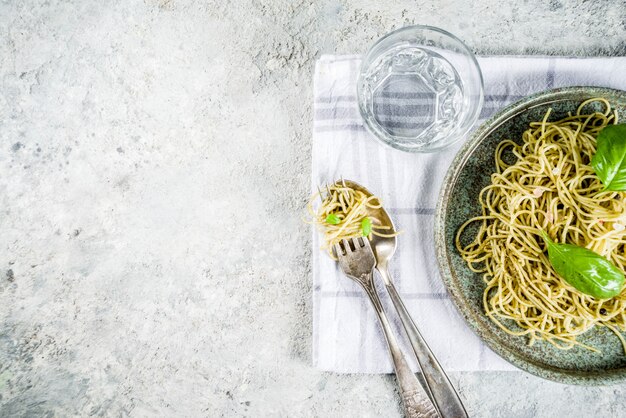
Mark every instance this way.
x=366 y=226
x=609 y=161
x=584 y=269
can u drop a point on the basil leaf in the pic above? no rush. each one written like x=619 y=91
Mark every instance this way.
x=609 y=161
x=366 y=226
x=332 y=219
x=584 y=269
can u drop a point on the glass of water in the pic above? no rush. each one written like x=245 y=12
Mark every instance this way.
x=419 y=89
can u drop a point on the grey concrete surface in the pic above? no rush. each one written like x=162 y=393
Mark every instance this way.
x=154 y=165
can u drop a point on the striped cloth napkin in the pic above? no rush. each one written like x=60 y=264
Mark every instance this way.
x=346 y=335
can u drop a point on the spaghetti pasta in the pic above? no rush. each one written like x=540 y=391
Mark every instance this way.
x=546 y=183
x=343 y=214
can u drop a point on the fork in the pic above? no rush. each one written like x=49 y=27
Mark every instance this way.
x=356 y=259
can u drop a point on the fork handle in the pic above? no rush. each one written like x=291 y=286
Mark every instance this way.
x=444 y=396
x=416 y=401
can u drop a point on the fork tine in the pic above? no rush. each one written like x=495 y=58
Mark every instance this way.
x=339 y=251
x=345 y=246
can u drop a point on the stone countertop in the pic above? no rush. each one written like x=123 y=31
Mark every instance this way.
x=154 y=166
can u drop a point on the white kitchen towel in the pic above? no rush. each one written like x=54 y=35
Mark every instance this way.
x=346 y=335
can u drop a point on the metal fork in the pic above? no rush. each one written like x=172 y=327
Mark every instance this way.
x=357 y=261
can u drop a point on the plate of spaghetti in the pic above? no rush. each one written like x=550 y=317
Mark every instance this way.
x=530 y=234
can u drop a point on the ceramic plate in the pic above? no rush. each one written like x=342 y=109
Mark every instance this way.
x=458 y=201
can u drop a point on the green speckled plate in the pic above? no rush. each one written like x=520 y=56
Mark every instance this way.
x=458 y=201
